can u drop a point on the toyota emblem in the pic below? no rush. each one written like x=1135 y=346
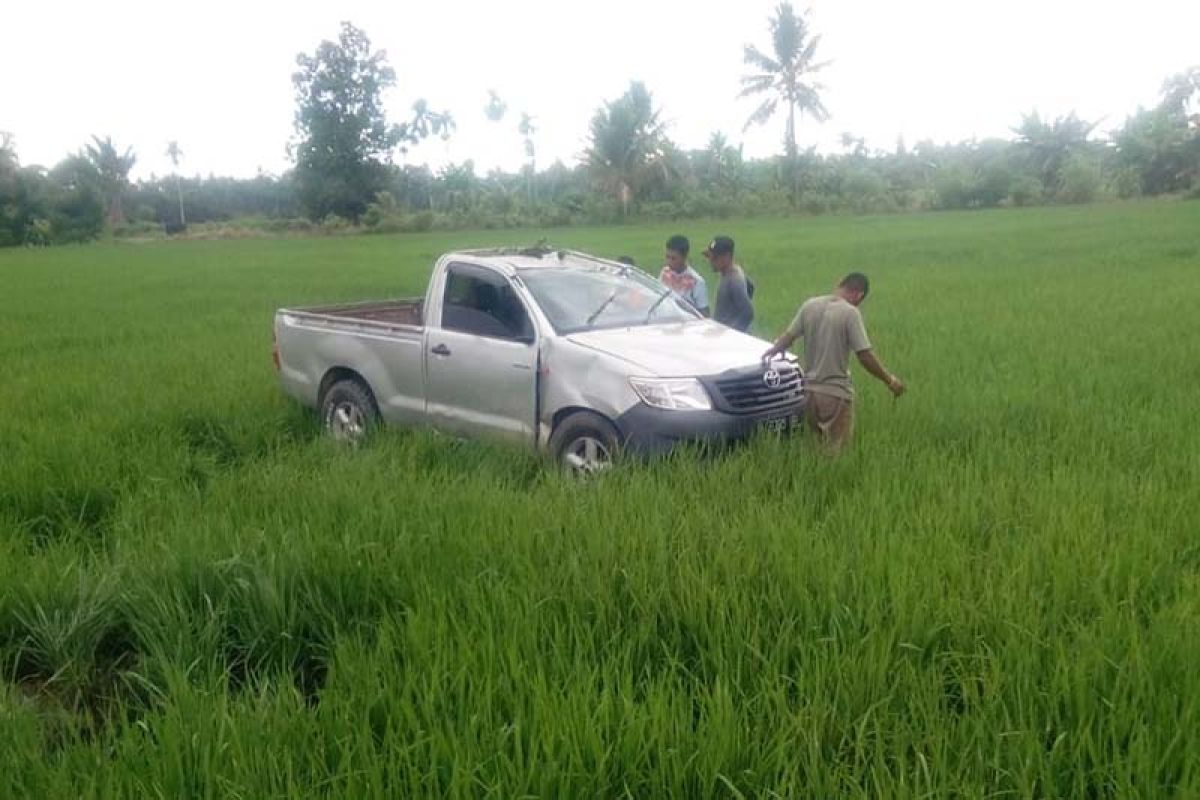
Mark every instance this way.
x=771 y=379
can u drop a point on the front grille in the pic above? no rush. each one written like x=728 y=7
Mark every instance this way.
x=748 y=392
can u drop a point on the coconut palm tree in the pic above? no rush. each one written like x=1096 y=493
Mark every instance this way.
x=628 y=145
x=787 y=77
x=113 y=168
x=426 y=122
x=174 y=153
x=720 y=164
x=527 y=129
x=495 y=108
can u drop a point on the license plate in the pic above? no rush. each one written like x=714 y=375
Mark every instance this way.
x=779 y=424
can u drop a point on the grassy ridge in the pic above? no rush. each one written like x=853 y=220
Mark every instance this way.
x=995 y=591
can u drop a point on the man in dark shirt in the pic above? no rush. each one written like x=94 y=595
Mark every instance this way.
x=733 y=306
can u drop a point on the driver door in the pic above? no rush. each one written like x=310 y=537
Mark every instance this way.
x=481 y=359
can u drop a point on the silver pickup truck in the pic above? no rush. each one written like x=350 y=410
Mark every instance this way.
x=556 y=351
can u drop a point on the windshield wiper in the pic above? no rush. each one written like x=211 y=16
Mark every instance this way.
x=656 y=304
x=607 y=301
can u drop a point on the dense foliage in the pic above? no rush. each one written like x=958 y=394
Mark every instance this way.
x=345 y=142
x=345 y=179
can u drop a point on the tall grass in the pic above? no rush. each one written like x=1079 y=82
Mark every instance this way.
x=994 y=592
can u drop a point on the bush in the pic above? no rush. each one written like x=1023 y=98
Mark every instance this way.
x=138 y=230
x=1081 y=179
x=865 y=191
x=384 y=215
x=381 y=209
x=1126 y=182
x=553 y=217
x=39 y=233
x=422 y=222
x=76 y=215
x=992 y=186
x=1025 y=191
x=332 y=223
x=816 y=203
x=952 y=188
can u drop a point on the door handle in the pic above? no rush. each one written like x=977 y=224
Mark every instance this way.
x=441 y=350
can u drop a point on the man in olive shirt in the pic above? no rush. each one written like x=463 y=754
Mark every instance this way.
x=832 y=329
x=733 y=306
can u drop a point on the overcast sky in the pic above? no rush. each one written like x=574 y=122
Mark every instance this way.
x=216 y=75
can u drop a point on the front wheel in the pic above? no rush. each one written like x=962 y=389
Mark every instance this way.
x=585 y=444
x=348 y=411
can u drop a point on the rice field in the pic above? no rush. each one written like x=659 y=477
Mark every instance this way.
x=994 y=592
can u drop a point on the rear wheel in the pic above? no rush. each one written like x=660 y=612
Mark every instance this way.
x=348 y=411
x=585 y=444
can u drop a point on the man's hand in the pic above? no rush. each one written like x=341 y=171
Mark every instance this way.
x=872 y=365
x=780 y=346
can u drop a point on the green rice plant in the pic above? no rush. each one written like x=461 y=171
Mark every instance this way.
x=993 y=592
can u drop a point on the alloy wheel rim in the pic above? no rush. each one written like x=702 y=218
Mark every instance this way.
x=347 y=422
x=587 y=455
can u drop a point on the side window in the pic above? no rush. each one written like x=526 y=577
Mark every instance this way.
x=483 y=303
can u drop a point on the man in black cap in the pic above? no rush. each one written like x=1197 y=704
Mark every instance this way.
x=733 y=306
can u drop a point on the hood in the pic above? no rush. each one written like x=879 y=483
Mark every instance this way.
x=677 y=350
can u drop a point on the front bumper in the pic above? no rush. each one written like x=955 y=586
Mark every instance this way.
x=647 y=430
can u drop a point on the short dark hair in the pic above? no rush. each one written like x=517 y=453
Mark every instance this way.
x=679 y=244
x=626 y=260
x=856 y=282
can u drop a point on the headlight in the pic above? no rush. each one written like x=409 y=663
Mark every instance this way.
x=681 y=394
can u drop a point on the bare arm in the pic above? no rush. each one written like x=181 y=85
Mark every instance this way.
x=871 y=364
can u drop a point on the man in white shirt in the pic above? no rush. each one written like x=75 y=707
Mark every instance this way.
x=678 y=276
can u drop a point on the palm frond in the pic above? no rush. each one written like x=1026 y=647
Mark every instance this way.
x=763 y=113
x=756 y=84
x=810 y=103
x=807 y=54
x=756 y=58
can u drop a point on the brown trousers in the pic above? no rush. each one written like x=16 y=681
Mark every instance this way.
x=831 y=418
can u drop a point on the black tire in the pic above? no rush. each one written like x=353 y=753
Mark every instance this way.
x=585 y=443
x=348 y=411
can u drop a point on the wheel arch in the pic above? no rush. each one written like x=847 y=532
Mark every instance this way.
x=566 y=411
x=334 y=375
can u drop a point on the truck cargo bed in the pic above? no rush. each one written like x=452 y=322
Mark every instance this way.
x=408 y=311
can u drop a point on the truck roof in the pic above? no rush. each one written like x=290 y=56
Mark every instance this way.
x=510 y=260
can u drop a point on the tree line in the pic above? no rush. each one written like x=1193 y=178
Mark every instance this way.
x=346 y=173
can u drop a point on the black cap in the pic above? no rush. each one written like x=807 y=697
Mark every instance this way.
x=719 y=246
